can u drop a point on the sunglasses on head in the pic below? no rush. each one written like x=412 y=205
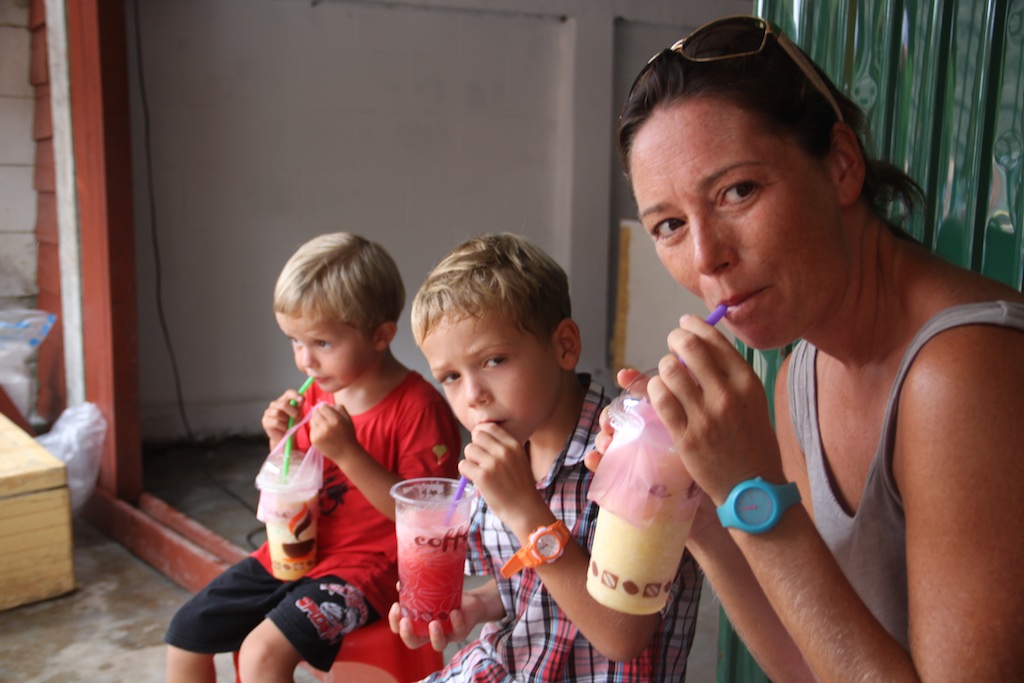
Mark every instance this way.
x=735 y=37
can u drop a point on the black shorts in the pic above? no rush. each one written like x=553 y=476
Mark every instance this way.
x=313 y=614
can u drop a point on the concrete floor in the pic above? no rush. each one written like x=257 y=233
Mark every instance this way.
x=110 y=629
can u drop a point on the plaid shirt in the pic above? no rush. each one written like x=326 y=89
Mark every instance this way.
x=536 y=641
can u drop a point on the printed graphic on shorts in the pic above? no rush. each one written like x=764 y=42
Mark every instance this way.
x=332 y=620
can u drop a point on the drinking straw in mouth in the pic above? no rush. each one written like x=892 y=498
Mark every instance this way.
x=716 y=315
x=291 y=423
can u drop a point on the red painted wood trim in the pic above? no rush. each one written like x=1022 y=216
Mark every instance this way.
x=43 y=179
x=42 y=116
x=39 y=61
x=46 y=221
x=97 y=61
x=36 y=14
x=168 y=552
x=192 y=530
x=52 y=396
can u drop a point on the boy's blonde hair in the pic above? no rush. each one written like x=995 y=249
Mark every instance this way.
x=495 y=273
x=343 y=277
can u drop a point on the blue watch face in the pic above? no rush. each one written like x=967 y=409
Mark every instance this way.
x=754 y=507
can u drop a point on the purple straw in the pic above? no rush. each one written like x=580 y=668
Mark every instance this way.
x=716 y=315
x=455 y=500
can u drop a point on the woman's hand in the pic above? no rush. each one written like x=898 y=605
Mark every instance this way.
x=624 y=377
x=716 y=409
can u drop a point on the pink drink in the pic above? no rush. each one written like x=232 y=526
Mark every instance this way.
x=431 y=552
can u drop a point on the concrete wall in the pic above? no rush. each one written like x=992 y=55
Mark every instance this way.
x=416 y=123
x=17 y=159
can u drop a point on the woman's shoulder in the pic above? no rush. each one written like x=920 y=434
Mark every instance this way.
x=967 y=352
x=938 y=297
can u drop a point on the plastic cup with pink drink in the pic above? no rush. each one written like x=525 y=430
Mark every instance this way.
x=433 y=531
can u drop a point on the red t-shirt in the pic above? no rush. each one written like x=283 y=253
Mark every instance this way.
x=411 y=432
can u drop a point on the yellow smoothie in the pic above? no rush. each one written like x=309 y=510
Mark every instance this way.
x=631 y=569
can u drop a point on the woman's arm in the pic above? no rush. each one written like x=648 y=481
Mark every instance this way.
x=957 y=468
x=749 y=611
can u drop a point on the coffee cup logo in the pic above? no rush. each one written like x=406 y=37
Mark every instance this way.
x=452 y=540
x=301 y=521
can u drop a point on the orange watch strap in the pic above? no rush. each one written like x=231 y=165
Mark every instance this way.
x=514 y=564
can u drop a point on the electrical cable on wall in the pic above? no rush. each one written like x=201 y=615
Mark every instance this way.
x=158 y=275
x=151 y=204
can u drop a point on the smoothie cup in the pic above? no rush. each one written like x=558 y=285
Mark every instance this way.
x=432 y=531
x=289 y=506
x=648 y=502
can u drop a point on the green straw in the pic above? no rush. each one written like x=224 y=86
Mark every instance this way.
x=291 y=423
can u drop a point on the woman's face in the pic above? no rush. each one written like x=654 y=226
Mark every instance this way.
x=741 y=216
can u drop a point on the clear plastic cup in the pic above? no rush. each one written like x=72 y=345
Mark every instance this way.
x=641 y=528
x=433 y=531
x=289 y=506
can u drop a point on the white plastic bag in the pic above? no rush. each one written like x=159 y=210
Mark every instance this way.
x=280 y=484
x=76 y=439
x=21 y=331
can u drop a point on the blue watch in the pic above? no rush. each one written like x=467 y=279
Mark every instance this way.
x=755 y=506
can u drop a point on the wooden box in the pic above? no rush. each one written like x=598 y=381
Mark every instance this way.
x=36 y=558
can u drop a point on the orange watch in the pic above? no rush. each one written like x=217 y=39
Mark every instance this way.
x=545 y=545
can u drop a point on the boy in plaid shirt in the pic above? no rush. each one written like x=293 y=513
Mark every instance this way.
x=494 y=322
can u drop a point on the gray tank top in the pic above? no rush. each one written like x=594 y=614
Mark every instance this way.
x=870 y=546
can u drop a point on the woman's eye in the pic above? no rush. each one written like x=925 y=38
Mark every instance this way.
x=740 y=191
x=667 y=228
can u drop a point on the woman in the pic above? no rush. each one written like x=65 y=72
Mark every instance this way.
x=901 y=561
